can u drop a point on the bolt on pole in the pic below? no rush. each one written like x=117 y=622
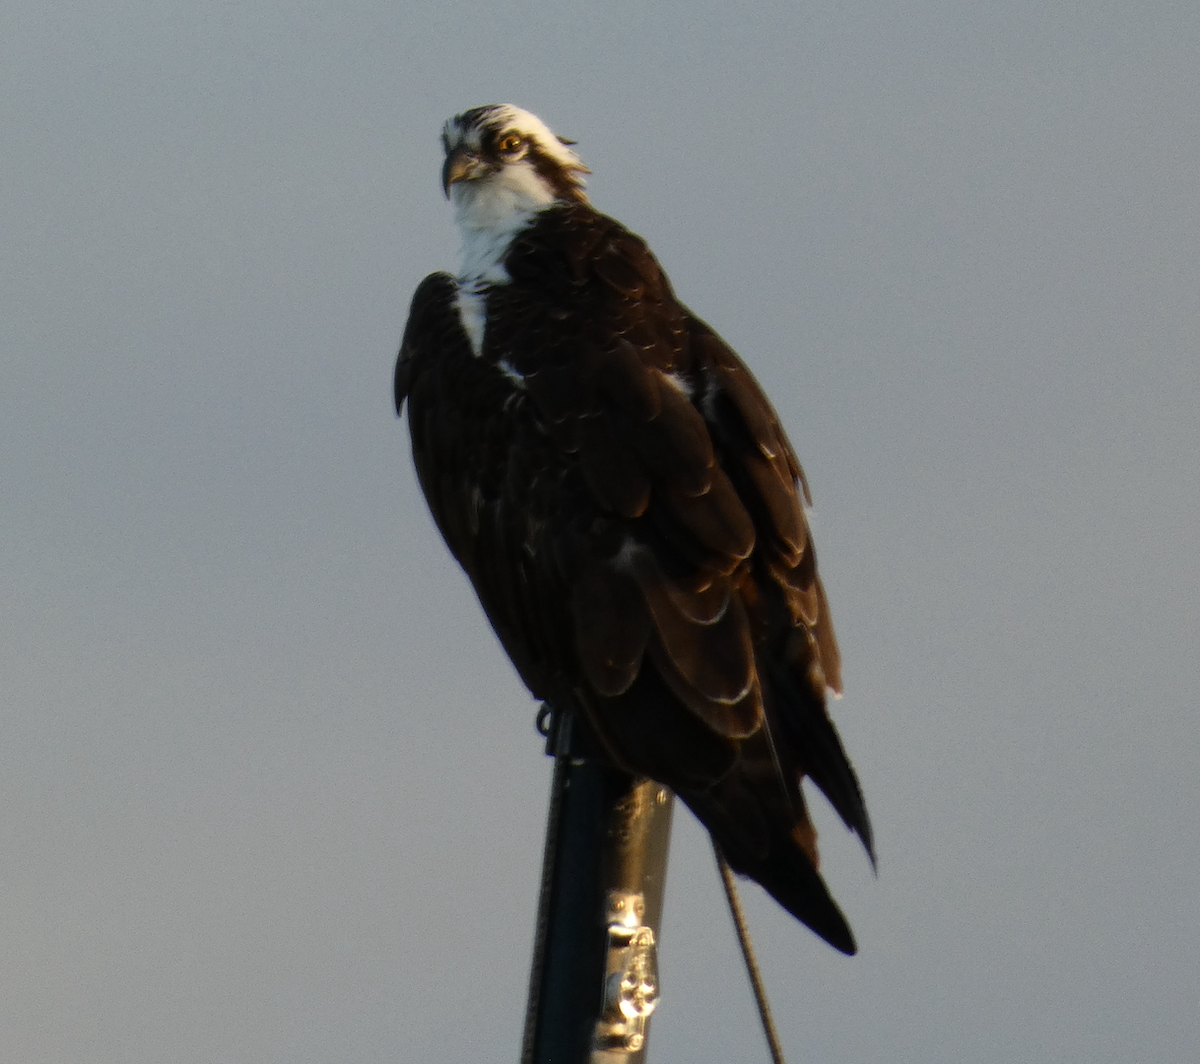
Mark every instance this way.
x=594 y=979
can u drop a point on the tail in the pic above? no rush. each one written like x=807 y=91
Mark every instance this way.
x=746 y=791
x=765 y=834
x=757 y=815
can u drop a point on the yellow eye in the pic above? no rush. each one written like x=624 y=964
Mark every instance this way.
x=509 y=143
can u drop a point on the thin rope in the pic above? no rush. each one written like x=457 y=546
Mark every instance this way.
x=752 y=969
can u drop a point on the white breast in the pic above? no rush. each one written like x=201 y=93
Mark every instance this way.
x=490 y=212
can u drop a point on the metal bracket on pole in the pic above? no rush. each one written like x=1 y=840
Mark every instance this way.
x=594 y=979
x=631 y=988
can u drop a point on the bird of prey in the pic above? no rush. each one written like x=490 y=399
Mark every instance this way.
x=621 y=495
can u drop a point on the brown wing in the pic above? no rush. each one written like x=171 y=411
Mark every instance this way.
x=622 y=496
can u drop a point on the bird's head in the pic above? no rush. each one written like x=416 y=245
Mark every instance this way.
x=503 y=163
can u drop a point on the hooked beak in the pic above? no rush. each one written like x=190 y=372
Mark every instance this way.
x=462 y=164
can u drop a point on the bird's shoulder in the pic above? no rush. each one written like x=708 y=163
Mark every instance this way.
x=432 y=325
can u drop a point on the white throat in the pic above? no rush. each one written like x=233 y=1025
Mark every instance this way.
x=489 y=212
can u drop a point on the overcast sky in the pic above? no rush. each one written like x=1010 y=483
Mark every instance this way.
x=270 y=792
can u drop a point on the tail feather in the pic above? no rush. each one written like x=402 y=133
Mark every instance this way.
x=800 y=721
x=783 y=868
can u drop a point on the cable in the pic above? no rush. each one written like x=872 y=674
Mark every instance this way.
x=743 y=933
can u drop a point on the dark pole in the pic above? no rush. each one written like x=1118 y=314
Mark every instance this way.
x=594 y=980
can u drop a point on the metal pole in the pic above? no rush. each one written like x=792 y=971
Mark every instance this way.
x=594 y=978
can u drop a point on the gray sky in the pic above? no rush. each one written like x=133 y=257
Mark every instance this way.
x=269 y=791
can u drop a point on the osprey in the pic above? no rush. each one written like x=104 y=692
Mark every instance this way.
x=621 y=494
